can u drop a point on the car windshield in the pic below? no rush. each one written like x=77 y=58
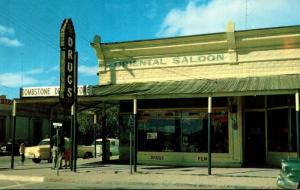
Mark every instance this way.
x=44 y=142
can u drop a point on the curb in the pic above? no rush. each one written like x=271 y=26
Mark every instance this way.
x=22 y=178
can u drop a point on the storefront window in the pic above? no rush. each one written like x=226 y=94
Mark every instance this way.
x=278 y=130
x=280 y=100
x=167 y=132
x=254 y=102
x=148 y=134
x=194 y=132
x=158 y=132
x=293 y=134
x=182 y=131
x=281 y=123
x=220 y=131
x=282 y=130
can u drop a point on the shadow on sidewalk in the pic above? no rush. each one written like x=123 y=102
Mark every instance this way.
x=164 y=167
x=247 y=173
x=97 y=164
x=4 y=168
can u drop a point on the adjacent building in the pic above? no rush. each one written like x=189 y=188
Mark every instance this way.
x=30 y=128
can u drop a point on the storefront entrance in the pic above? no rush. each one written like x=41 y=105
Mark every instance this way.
x=255 y=151
x=37 y=131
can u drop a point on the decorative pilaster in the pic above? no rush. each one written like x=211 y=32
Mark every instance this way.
x=231 y=43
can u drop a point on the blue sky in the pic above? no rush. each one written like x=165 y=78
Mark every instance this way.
x=29 y=30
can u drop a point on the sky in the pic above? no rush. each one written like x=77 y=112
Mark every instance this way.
x=29 y=30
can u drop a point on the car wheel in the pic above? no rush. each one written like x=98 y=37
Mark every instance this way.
x=87 y=155
x=36 y=160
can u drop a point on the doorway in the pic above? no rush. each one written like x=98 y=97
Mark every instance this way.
x=255 y=150
x=2 y=129
x=37 y=131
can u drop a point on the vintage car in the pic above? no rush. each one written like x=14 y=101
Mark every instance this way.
x=290 y=173
x=113 y=145
x=42 y=151
x=39 y=152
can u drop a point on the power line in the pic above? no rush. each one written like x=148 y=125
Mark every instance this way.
x=246 y=13
x=33 y=31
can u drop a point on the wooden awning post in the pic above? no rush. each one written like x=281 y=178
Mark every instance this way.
x=135 y=131
x=297 y=123
x=14 y=114
x=209 y=135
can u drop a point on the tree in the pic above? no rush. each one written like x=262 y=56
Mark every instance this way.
x=112 y=121
x=86 y=122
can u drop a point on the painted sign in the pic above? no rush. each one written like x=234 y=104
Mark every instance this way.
x=169 y=61
x=51 y=91
x=152 y=135
x=156 y=157
x=202 y=158
x=67 y=62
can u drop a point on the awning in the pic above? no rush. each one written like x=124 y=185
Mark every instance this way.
x=112 y=94
x=264 y=85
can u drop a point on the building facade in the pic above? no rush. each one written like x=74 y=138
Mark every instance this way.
x=252 y=76
x=30 y=128
x=5 y=118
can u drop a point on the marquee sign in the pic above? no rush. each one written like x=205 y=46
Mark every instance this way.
x=67 y=62
x=51 y=91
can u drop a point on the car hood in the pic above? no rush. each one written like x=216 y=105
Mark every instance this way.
x=36 y=147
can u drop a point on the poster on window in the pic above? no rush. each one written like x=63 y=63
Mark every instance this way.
x=152 y=135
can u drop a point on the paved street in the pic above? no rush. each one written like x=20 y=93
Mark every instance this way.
x=68 y=185
x=92 y=174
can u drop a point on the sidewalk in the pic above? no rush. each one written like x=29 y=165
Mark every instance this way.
x=116 y=175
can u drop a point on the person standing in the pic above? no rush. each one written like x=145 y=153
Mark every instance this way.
x=61 y=150
x=22 y=153
x=57 y=151
x=67 y=152
x=54 y=151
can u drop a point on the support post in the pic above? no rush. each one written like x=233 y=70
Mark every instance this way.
x=95 y=143
x=135 y=133
x=14 y=133
x=75 y=131
x=104 y=140
x=57 y=152
x=50 y=136
x=130 y=148
x=209 y=135
x=297 y=123
x=75 y=126
x=72 y=139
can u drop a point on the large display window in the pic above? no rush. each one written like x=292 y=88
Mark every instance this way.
x=281 y=123
x=182 y=130
x=280 y=116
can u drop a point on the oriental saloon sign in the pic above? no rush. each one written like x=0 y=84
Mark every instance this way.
x=67 y=63
x=170 y=61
